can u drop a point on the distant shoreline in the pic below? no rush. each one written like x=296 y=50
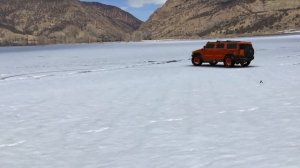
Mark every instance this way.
x=179 y=39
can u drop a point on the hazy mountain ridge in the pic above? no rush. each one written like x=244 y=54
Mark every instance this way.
x=62 y=21
x=114 y=12
x=219 y=18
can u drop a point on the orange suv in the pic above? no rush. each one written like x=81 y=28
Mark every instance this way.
x=228 y=52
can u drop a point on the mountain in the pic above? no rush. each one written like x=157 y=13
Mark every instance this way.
x=62 y=21
x=219 y=18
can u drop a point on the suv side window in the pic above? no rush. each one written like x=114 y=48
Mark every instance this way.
x=232 y=46
x=220 y=45
x=210 y=45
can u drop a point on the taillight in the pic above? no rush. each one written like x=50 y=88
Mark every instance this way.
x=242 y=52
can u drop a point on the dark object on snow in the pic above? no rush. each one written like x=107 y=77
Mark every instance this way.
x=261 y=81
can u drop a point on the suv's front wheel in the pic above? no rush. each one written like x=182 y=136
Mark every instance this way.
x=197 y=60
x=229 y=62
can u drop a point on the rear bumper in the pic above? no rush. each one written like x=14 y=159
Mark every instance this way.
x=240 y=59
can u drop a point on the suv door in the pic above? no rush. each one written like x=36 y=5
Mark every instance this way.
x=232 y=49
x=219 y=53
x=209 y=51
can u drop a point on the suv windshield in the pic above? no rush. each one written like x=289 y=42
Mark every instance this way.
x=210 y=45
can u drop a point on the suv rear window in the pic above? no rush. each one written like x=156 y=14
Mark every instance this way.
x=232 y=46
x=243 y=46
x=210 y=45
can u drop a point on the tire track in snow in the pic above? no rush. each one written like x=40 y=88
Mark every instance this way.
x=39 y=73
x=43 y=74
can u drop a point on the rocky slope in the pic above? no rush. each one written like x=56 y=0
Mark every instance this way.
x=219 y=18
x=62 y=21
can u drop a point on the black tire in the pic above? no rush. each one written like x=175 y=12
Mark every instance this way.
x=245 y=64
x=213 y=63
x=229 y=62
x=249 y=52
x=197 y=60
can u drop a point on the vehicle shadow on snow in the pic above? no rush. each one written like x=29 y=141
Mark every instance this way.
x=222 y=66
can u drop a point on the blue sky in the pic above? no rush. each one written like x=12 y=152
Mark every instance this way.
x=141 y=9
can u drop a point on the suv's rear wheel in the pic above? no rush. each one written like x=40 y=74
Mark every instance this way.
x=213 y=63
x=245 y=64
x=229 y=62
x=197 y=60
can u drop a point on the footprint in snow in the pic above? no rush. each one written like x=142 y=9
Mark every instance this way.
x=249 y=109
x=174 y=119
x=83 y=72
x=222 y=112
x=12 y=144
x=167 y=120
x=98 y=130
x=253 y=109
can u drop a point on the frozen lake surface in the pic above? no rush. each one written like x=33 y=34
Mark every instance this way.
x=143 y=105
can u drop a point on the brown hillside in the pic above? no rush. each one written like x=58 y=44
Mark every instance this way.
x=219 y=18
x=62 y=21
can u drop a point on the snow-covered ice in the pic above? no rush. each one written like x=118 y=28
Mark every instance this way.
x=143 y=105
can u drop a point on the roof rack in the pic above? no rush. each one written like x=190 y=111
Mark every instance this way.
x=227 y=41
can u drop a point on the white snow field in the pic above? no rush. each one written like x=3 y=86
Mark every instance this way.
x=143 y=105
